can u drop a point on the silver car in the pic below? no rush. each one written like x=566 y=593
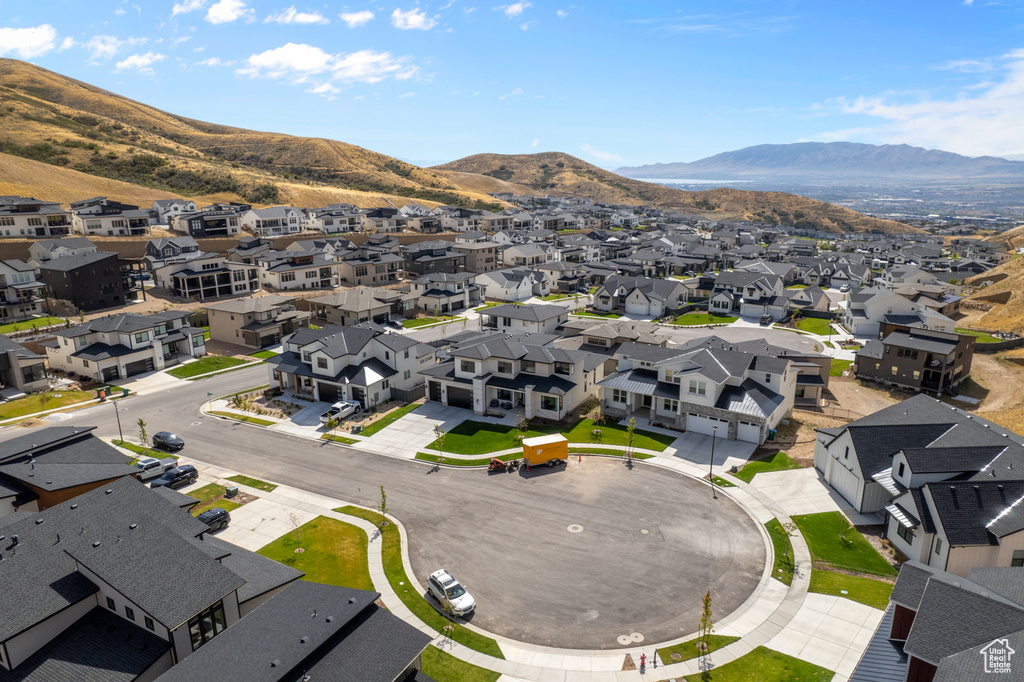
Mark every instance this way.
x=449 y=592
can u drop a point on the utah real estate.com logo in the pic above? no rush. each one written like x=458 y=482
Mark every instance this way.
x=997 y=656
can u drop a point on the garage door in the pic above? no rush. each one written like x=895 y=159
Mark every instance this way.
x=110 y=373
x=749 y=431
x=328 y=392
x=844 y=481
x=460 y=397
x=705 y=425
x=133 y=368
x=635 y=308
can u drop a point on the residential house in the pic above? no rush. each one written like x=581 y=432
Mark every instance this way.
x=21 y=370
x=329 y=246
x=363 y=363
x=525 y=255
x=513 y=284
x=809 y=298
x=522 y=372
x=471 y=237
x=249 y=248
x=369 y=265
x=864 y=310
x=29 y=217
x=709 y=390
x=103 y=216
x=48 y=249
x=207 y=276
x=334 y=219
x=444 y=293
x=524 y=319
x=166 y=250
x=605 y=337
x=255 y=321
x=481 y=256
x=382 y=220
x=21 y=296
x=350 y=307
x=123 y=345
x=458 y=219
x=165 y=209
x=89 y=281
x=944 y=299
x=750 y=294
x=274 y=221
x=283 y=270
x=918 y=359
x=212 y=221
x=640 y=296
x=426 y=258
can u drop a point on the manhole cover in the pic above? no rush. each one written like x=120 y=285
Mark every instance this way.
x=636 y=637
x=299 y=550
x=644 y=531
x=575 y=528
x=197 y=423
x=625 y=640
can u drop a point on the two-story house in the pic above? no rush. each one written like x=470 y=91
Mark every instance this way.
x=255 y=321
x=89 y=281
x=217 y=220
x=443 y=293
x=514 y=284
x=863 y=312
x=363 y=363
x=274 y=221
x=481 y=256
x=640 y=295
x=207 y=276
x=123 y=345
x=165 y=209
x=750 y=294
x=103 y=216
x=334 y=219
x=48 y=249
x=21 y=296
x=918 y=359
x=29 y=217
x=369 y=265
x=425 y=258
x=284 y=270
x=526 y=255
x=21 y=370
x=349 y=307
x=502 y=372
x=166 y=250
x=709 y=390
x=525 y=319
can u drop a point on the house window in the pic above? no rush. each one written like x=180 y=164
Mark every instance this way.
x=361 y=271
x=903 y=467
x=468 y=366
x=128 y=611
x=905 y=533
x=310 y=274
x=563 y=368
x=142 y=337
x=846 y=455
x=646 y=364
x=505 y=367
x=198 y=340
x=698 y=387
x=305 y=356
x=917 y=375
x=1018 y=558
x=894 y=370
x=619 y=396
x=529 y=366
x=288 y=277
x=206 y=625
x=406 y=353
x=668 y=375
x=111 y=605
x=321 y=363
x=549 y=402
x=671 y=405
x=385 y=384
x=768 y=377
x=407 y=374
x=938 y=545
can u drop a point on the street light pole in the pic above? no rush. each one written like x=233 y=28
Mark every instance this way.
x=711 y=476
x=117 y=413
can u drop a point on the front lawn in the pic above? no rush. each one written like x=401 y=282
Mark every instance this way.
x=453 y=461
x=814 y=325
x=613 y=433
x=142 y=451
x=848 y=551
x=838 y=367
x=210 y=496
x=391 y=556
x=780 y=461
x=764 y=665
x=253 y=483
x=333 y=553
x=339 y=439
x=40 y=402
x=874 y=593
x=226 y=505
x=244 y=418
x=599 y=315
x=797 y=286
x=389 y=419
x=210 y=363
x=479 y=438
x=555 y=297
x=692 y=319
x=489 y=304
x=980 y=337
x=424 y=321
x=782 y=569
x=35 y=323
x=688 y=650
x=264 y=354
x=443 y=667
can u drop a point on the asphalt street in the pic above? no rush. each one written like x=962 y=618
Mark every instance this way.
x=506 y=536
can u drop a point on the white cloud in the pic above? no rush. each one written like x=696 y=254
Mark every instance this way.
x=324 y=89
x=105 y=47
x=226 y=11
x=355 y=19
x=981 y=119
x=304 y=63
x=140 y=62
x=293 y=16
x=214 y=61
x=527 y=24
x=561 y=14
x=515 y=9
x=120 y=11
x=28 y=42
x=536 y=141
x=514 y=93
x=600 y=155
x=413 y=19
x=66 y=44
x=187 y=6
x=406 y=95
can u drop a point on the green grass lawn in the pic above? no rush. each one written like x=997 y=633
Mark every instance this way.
x=599 y=315
x=423 y=321
x=764 y=665
x=780 y=461
x=334 y=553
x=593 y=290
x=782 y=569
x=691 y=319
x=980 y=337
x=338 y=439
x=487 y=305
x=722 y=483
x=479 y=438
x=244 y=418
x=688 y=650
x=797 y=286
x=391 y=554
x=555 y=297
x=206 y=333
x=35 y=323
x=253 y=483
x=838 y=367
x=814 y=325
x=874 y=593
x=210 y=496
x=443 y=667
x=264 y=354
x=210 y=363
x=821 y=531
x=226 y=505
x=39 y=402
x=389 y=419
x=142 y=451
x=484 y=461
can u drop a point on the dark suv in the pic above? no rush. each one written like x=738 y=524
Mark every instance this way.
x=216 y=518
x=168 y=441
x=176 y=478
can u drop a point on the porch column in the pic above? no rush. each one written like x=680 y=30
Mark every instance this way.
x=479 y=396
x=528 y=402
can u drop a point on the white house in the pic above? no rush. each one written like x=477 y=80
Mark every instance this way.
x=274 y=221
x=513 y=284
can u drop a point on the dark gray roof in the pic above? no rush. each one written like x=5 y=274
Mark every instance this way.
x=176 y=498
x=910 y=584
x=122 y=322
x=978 y=512
x=929 y=342
x=261 y=574
x=1005 y=582
x=68 y=263
x=530 y=313
x=884 y=659
x=553 y=384
x=77 y=460
x=104 y=351
x=967 y=665
x=947 y=459
x=99 y=647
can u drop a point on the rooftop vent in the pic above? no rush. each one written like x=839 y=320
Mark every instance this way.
x=303 y=640
x=351 y=600
x=96 y=544
x=38 y=521
x=330 y=619
x=274 y=663
x=133 y=526
x=108 y=491
x=74 y=506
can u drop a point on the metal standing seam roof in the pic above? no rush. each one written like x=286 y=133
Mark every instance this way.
x=641 y=381
x=884 y=659
x=749 y=398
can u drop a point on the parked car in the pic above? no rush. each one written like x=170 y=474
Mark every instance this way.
x=766 y=319
x=340 y=410
x=447 y=590
x=394 y=324
x=177 y=477
x=165 y=440
x=216 y=518
x=152 y=467
x=844 y=288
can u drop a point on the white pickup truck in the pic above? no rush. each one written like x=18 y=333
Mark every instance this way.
x=340 y=410
x=152 y=467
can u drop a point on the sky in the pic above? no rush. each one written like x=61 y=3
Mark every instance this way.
x=614 y=83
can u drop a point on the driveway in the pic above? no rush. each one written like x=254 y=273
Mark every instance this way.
x=802 y=491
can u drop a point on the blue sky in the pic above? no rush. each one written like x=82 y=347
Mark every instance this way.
x=615 y=83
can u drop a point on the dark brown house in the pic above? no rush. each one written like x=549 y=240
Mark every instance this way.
x=918 y=359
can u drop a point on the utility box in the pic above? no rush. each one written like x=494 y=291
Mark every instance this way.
x=231 y=491
x=548 y=450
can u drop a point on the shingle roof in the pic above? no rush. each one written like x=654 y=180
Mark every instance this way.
x=251 y=304
x=261 y=574
x=68 y=263
x=977 y=512
x=530 y=313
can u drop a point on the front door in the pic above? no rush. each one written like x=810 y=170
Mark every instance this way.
x=648 y=400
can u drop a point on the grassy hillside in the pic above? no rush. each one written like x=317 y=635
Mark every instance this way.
x=1007 y=316
x=557 y=173
x=59 y=121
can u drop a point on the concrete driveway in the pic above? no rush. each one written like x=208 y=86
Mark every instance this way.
x=802 y=491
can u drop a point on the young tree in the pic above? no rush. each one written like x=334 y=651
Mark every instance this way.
x=630 y=430
x=382 y=507
x=142 y=431
x=706 y=626
x=439 y=434
x=332 y=423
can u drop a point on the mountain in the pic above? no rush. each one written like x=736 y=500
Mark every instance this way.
x=837 y=161
x=562 y=174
